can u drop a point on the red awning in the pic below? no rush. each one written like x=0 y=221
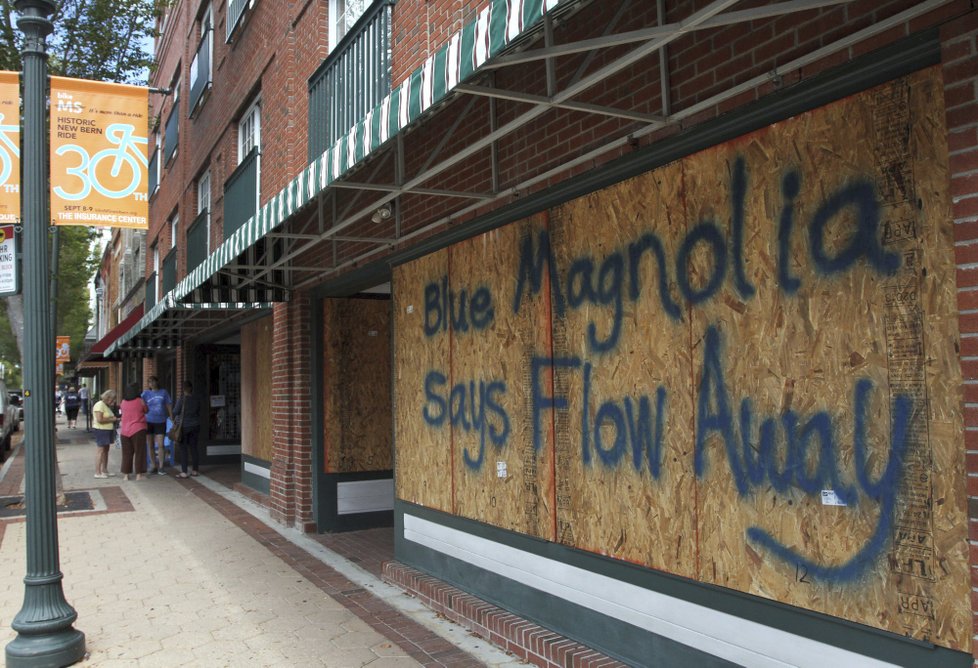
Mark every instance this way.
x=100 y=346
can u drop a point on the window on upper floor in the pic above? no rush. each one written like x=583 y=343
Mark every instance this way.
x=200 y=67
x=199 y=232
x=154 y=165
x=204 y=206
x=171 y=137
x=174 y=224
x=249 y=131
x=342 y=15
x=237 y=14
x=241 y=191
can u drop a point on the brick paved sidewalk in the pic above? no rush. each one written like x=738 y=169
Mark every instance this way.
x=165 y=572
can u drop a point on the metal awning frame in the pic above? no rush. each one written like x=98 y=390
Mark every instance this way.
x=266 y=269
x=650 y=41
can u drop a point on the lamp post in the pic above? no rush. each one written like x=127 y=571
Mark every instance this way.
x=45 y=636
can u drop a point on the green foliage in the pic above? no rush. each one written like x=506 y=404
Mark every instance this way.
x=77 y=262
x=103 y=40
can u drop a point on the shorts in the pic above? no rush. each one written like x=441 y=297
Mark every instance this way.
x=156 y=428
x=72 y=412
x=104 y=437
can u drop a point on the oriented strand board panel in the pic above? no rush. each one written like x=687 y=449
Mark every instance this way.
x=624 y=445
x=752 y=376
x=811 y=370
x=422 y=365
x=256 y=389
x=356 y=373
x=503 y=455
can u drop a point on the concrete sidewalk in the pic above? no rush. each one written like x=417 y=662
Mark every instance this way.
x=162 y=574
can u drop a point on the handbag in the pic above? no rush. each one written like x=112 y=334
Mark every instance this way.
x=176 y=431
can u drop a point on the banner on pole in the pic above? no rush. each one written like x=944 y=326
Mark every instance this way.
x=9 y=274
x=62 y=351
x=9 y=147
x=99 y=153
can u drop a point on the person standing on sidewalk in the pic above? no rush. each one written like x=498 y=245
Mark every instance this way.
x=187 y=413
x=86 y=406
x=132 y=432
x=72 y=406
x=105 y=422
x=160 y=408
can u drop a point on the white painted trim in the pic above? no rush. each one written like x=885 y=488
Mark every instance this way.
x=718 y=633
x=257 y=470
x=364 y=496
x=223 y=450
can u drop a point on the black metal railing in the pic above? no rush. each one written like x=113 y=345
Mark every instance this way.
x=169 y=275
x=150 y=301
x=154 y=173
x=170 y=139
x=241 y=194
x=197 y=241
x=353 y=79
x=200 y=71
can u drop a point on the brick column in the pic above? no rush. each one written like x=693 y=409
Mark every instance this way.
x=291 y=483
x=959 y=56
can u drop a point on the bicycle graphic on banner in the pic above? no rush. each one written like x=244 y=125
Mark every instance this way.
x=127 y=155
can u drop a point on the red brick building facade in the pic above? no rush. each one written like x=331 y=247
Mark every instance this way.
x=571 y=225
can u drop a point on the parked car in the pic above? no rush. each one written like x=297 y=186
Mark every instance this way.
x=17 y=399
x=9 y=419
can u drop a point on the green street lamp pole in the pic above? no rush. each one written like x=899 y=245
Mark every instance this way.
x=45 y=636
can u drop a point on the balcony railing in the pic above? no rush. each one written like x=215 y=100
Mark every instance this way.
x=241 y=194
x=150 y=292
x=170 y=139
x=200 y=71
x=197 y=241
x=169 y=277
x=353 y=79
x=236 y=12
x=154 y=173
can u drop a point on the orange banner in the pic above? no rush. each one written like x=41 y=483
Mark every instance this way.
x=9 y=147
x=62 y=351
x=99 y=153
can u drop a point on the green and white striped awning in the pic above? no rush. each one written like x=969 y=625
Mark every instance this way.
x=260 y=261
x=497 y=25
x=169 y=323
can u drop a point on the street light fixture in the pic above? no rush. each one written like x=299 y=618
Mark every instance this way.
x=45 y=636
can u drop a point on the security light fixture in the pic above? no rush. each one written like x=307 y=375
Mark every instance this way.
x=383 y=213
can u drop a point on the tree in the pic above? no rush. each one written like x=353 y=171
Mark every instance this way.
x=102 y=40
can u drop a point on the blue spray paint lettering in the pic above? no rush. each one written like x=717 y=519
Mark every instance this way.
x=807 y=459
x=472 y=407
x=444 y=308
x=592 y=281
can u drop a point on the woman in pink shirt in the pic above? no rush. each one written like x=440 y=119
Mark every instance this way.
x=132 y=432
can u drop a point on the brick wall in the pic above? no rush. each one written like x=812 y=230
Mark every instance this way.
x=292 y=479
x=959 y=56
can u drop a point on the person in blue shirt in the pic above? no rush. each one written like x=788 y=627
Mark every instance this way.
x=160 y=408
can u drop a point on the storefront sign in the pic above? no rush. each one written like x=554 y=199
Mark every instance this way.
x=9 y=276
x=99 y=157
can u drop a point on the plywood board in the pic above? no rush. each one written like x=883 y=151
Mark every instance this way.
x=256 y=390
x=790 y=296
x=503 y=472
x=836 y=334
x=624 y=467
x=357 y=373
x=423 y=452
